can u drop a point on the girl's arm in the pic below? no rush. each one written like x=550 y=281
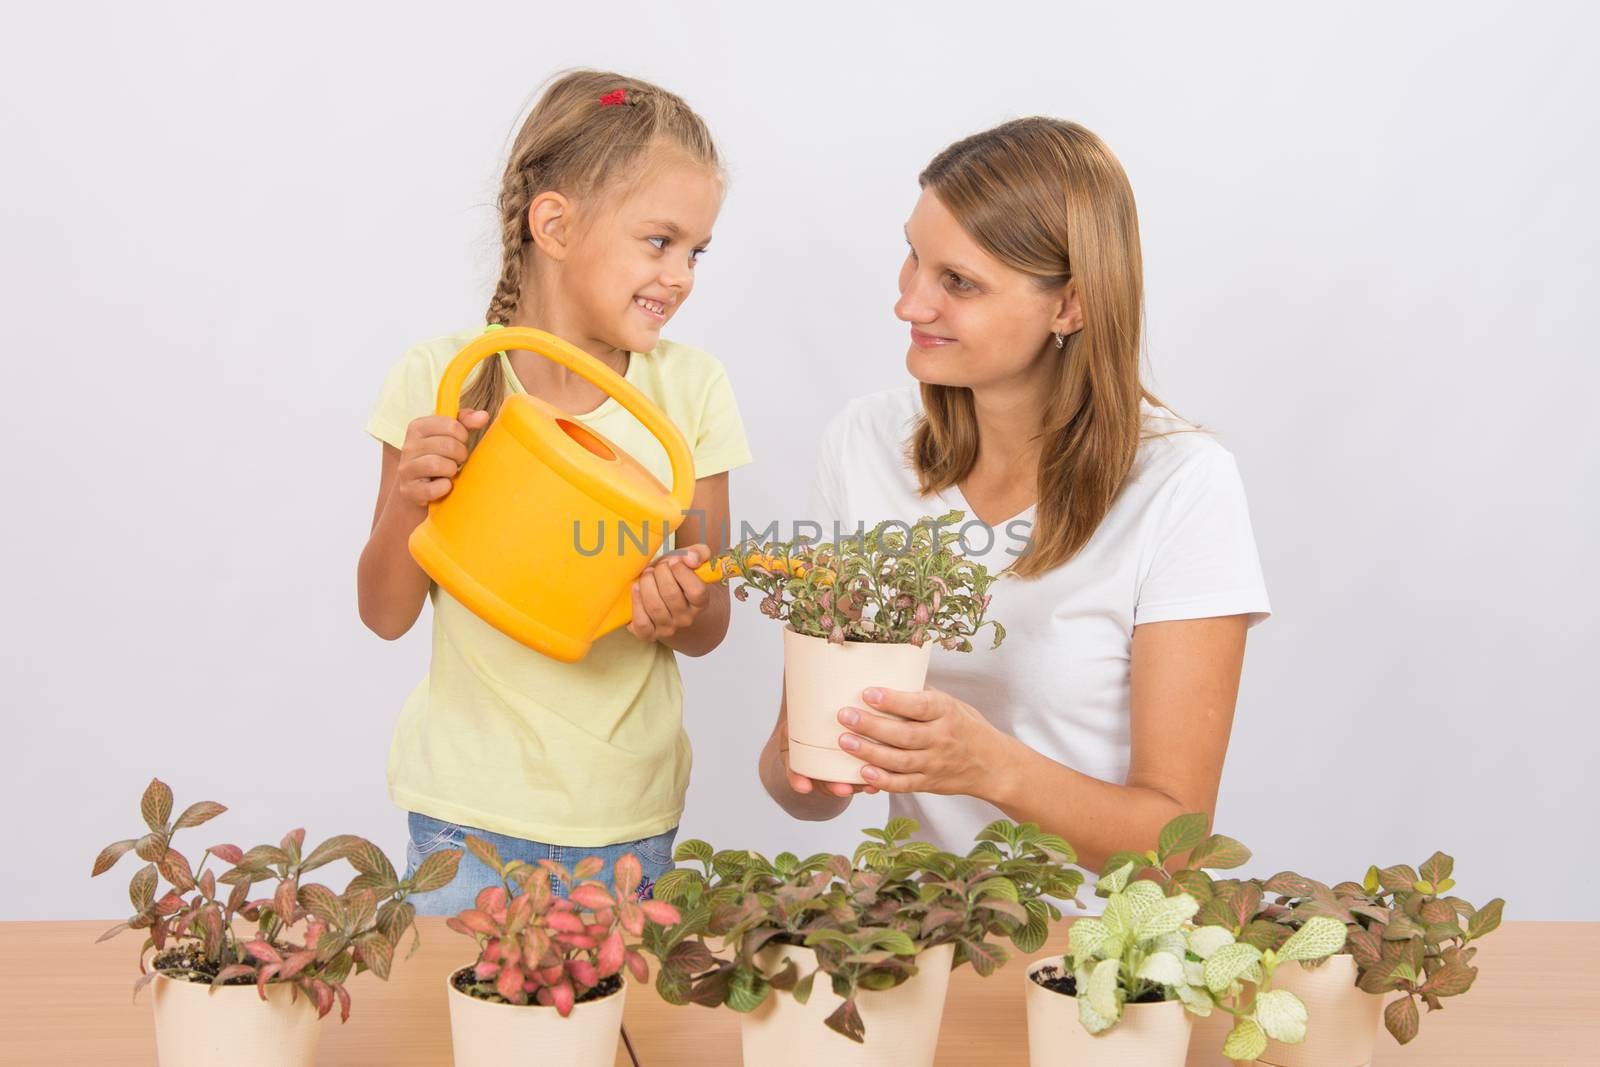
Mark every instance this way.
x=390 y=586
x=670 y=603
x=802 y=797
x=1185 y=681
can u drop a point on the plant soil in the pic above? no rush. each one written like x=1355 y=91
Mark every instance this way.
x=188 y=964
x=1058 y=981
x=464 y=983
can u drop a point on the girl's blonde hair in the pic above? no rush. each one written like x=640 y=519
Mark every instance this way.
x=589 y=130
x=1048 y=198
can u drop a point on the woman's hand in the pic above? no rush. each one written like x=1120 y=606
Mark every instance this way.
x=943 y=746
x=669 y=596
x=432 y=454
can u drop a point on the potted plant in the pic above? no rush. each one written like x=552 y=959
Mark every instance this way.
x=1133 y=978
x=861 y=611
x=846 y=960
x=222 y=996
x=548 y=979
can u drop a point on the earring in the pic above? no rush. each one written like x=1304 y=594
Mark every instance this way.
x=1061 y=340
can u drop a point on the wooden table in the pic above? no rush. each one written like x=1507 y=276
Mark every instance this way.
x=66 y=1000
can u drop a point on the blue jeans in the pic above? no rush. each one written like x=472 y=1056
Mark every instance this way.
x=428 y=834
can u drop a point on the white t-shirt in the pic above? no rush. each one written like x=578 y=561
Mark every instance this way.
x=1176 y=544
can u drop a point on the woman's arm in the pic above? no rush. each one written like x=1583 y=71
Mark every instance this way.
x=1185 y=682
x=802 y=797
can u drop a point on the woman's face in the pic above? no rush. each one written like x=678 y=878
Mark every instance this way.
x=975 y=322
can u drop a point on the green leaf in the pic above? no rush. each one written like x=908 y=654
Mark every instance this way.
x=1318 y=938
x=142 y=889
x=896 y=941
x=195 y=814
x=437 y=870
x=1182 y=834
x=110 y=855
x=156 y=804
x=898 y=829
x=675 y=884
x=1436 y=869
x=802 y=988
x=1246 y=1041
x=1101 y=991
x=376 y=952
x=1219 y=853
x=1031 y=936
x=1004 y=888
x=322 y=903
x=1485 y=919
x=334 y=848
x=746 y=991
x=487 y=854
x=1231 y=963
x=1281 y=1015
x=693 y=849
x=1400 y=1017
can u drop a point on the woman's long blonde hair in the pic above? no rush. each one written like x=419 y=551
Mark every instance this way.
x=588 y=130
x=1048 y=198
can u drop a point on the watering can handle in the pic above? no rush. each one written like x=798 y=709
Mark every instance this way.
x=496 y=339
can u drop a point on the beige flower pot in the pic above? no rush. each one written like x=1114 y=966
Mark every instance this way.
x=1343 y=1020
x=821 y=677
x=198 y=1028
x=902 y=1023
x=1147 y=1035
x=485 y=1034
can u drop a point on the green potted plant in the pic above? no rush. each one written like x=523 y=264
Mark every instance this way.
x=222 y=996
x=861 y=611
x=552 y=947
x=847 y=960
x=1131 y=981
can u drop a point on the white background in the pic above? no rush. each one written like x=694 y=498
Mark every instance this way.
x=1370 y=239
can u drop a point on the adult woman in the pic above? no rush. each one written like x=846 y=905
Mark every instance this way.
x=1107 y=710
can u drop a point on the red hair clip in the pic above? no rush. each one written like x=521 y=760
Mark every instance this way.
x=614 y=98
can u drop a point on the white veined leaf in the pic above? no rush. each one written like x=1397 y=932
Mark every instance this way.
x=1195 y=999
x=1116 y=880
x=1231 y=963
x=1175 y=943
x=1092 y=1020
x=1281 y=1015
x=1084 y=938
x=1194 y=973
x=1246 y=1041
x=1168 y=916
x=1162 y=967
x=1322 y=935
x=1205 y=940
x=1118 y=917
x=1102 y=992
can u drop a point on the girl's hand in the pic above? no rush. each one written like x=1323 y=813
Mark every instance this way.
x=432 y=454
x=945 y=746
x=669 y=595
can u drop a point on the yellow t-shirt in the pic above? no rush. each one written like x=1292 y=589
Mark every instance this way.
x=501 y=737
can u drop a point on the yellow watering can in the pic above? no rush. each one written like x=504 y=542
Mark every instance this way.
x=505 y=541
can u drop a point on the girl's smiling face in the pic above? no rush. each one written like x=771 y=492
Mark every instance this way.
x=974 y=320
x=631 y=265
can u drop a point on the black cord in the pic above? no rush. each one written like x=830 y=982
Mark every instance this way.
x=633 y=1059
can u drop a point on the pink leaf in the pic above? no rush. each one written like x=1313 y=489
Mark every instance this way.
x=660 y=912
x=582 y=972
x=227 y=853
x=509 y=984
x=564 y=921
x=478 y=922
x=563 y=996
x=591 y=895
x=485 y=971
x=492 y=899
x=344 y=1003
x=263 y=951
x=632 y=918
x=636 y=966
x=611 y=953
x=628 y=874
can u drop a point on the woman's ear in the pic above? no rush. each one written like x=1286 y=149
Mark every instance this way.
x=1069 y=313
x=550 y=222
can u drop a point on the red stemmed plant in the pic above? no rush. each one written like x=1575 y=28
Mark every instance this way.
x=192 y=929
x=536 y=946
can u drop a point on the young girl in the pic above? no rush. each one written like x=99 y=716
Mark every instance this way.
x=608 y=201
